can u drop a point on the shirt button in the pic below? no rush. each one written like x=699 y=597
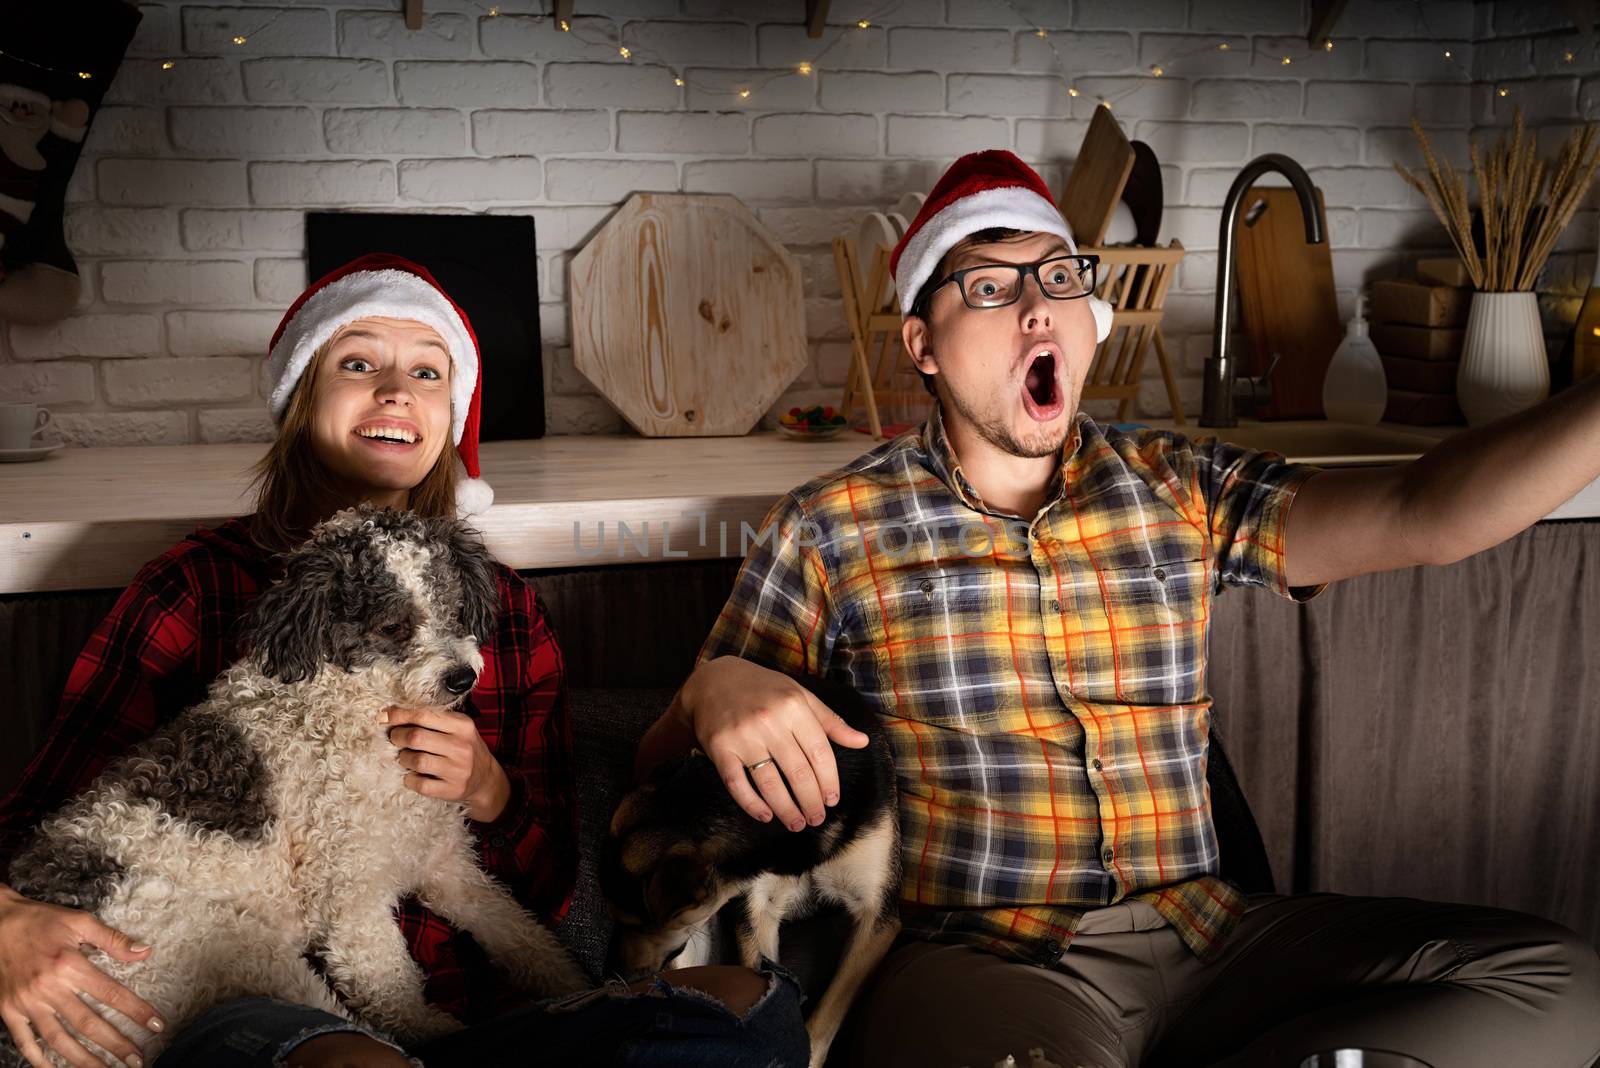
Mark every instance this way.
x=1161 y=576
x=1098 y=766
x=1055 y=606
x=926 y=586
x=1052 y=948
x=1106 y=856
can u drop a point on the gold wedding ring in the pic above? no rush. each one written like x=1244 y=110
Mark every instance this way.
x=758 y=764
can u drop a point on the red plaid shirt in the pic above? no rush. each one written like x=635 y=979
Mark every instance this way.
x=175 y=629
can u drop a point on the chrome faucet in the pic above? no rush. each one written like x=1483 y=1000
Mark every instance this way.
x=1221 y=375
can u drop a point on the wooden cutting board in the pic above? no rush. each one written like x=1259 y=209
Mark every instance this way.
x=1286 y=301
x=687 y=315
x=1094 y=185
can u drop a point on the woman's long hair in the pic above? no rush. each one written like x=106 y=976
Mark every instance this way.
x=294 y=491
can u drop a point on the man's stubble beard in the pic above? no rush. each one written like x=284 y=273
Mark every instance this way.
x=997 y=432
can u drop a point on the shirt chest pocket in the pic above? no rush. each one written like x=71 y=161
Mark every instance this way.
x=930 y=601
x=1168 y=590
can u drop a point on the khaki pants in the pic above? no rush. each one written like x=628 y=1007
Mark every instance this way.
x=1455 y=986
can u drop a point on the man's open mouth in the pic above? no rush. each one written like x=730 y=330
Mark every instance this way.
x=1041 y=379
x=1042 y=396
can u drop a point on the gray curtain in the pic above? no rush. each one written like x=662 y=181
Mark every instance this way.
x=1432 y=732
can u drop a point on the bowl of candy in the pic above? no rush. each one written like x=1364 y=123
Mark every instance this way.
x=816 y=423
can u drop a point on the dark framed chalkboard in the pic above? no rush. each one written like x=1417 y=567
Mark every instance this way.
x=488 y=266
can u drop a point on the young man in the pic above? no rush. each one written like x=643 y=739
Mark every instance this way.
x=1026 y=596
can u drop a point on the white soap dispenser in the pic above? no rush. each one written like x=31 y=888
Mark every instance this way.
x=1355 y=389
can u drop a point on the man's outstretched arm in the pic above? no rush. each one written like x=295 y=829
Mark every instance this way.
x=1468 y=493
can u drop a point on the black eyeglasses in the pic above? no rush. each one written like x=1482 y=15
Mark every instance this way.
x=994 y=285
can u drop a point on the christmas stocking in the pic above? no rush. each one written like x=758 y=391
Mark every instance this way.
x=45 y=107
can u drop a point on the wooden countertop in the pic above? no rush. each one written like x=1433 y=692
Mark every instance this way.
x=88 y=518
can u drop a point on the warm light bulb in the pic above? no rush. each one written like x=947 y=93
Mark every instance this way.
x=85 y=75
x=1327 y=46
x=744 y=94
x=624 y=52
x=494 y=12
x=566 y=27
x=863 y=24
x=238 y=38
x=677 y=82
x=1505 y=92
x=1287 y=61
x=1157 y=71
x=1072 y=91
x=1570 y=57
x=1105 y=103
x=1223 y=47
x=168 y=65
x=1448 y=54
x=805 y=68
x=1038 y=33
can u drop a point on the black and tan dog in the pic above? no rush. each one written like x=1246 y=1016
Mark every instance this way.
x=680 y=848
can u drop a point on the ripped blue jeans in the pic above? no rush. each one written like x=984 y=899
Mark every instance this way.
x=661 y=1027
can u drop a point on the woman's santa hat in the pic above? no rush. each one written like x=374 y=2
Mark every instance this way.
x=980 y=191
x=390 y=286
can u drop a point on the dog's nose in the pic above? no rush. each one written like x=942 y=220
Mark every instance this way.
x=460 y=680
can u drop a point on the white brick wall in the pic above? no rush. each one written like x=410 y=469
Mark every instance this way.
x=187 y=212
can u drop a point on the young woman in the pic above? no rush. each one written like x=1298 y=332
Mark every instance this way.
x=374 y=370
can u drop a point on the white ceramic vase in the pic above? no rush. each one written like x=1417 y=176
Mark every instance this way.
x=1503 y=363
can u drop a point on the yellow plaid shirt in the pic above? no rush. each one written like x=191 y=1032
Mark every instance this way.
x=1043 y=683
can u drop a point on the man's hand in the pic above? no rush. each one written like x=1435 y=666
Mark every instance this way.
x=42 y=973
x=744 y=714
x=445 y=758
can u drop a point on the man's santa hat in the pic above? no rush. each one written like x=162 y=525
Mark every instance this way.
x=390 y=286
x=980 y=191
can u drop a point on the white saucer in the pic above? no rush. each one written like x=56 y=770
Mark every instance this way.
x=21 y=456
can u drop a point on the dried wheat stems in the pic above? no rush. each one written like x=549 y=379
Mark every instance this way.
x=1523 y=213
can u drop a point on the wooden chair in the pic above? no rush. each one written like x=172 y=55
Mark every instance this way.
x=1135 y=280
x=878 y=375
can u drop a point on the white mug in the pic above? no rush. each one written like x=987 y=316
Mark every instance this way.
x=20 y=423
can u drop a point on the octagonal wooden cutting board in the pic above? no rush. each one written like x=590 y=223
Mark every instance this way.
x=687 y=315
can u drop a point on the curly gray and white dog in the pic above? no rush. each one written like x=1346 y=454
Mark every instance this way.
x=271 y=820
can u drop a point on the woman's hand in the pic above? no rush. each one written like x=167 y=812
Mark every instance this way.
x=444 y=757
x=43 y=972
x=742 y=714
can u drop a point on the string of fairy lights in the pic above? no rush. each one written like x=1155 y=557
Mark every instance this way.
x=588 y=31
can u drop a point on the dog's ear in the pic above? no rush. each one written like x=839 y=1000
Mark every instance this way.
x=680 y=881
x=289 y=625
x=480 y=586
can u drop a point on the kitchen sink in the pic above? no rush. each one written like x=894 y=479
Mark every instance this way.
x=1319 y=441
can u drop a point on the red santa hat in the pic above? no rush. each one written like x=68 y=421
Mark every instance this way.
x=980 y=191
x=383 y=285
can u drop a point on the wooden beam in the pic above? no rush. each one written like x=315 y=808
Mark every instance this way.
x=816 y=16
x=413 y=11
x=1324 y=13
x=563 y=11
